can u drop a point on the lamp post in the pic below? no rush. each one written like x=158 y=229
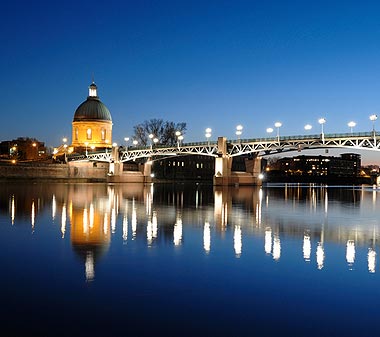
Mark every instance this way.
x=86 y=144
x=239 y=131
x=155 y=140
x=178 y=134
x=135 y=142
x=322 y=121
x=208 y=135
x=126 y=139
x=351 y=125
x=151 y=140
x=64 y=140
x=269 y=130
x=373 y=119
x=278 y=125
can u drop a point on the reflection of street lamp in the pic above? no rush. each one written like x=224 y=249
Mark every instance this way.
x=351 y=125
x=208 y=135
x=278 y=125
x=239 y=130
x=322 y=121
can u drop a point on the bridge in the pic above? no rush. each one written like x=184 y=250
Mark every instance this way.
x=224 y=150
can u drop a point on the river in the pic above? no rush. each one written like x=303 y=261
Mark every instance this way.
x=189 y=260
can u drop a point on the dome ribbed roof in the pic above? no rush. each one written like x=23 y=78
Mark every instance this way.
x=92 y=109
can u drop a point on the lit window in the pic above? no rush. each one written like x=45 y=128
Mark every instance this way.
x=89 y=133
x=76 y=133
x=103 y=134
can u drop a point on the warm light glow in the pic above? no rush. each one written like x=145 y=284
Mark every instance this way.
x=269 y=130
x=135 y=142
x=278 y=124
x=373 y=117
x=64 y=139
x=239 y=128
x=261 y=176
x=178 y=133
x=151 y=136
x=126 y=139
x=351 y=124
x=63 y=221
x=125 y=228
x=114 y=144
x=237 y=241
x=322 y=121
x=53 y=207
x=208 y=130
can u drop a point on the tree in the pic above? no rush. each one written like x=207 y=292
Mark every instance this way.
x=164 y=131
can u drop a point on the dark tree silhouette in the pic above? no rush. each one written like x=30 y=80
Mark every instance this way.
x=164 y=131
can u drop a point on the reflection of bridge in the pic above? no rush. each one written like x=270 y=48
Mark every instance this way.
x=224 y=150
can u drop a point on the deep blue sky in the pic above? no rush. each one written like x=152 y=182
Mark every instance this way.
x=207 y=63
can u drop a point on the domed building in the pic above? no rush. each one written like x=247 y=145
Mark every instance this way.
x=92 y=123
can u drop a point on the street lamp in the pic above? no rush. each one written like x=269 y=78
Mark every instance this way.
x=86 y=144
x=351 y=125
x=64 y=140
x=308 y=127
x=208 y=135
x=151 y=137
x=239 y=130
x=278 y=125
x=322 y=121
x=126 y=139
x=373 y=119
x=135 y=142
x=155 y=140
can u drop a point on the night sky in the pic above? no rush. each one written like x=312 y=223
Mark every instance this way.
x=210 y=64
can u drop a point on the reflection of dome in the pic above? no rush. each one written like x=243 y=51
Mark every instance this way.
x=92 y=108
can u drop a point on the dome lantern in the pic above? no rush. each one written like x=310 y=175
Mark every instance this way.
x=92 y=90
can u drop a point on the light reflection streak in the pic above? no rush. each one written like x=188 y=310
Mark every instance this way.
x=306 y=248
x=149 y=236
x=92 y=215
x=268 y=240
x=371 y=260
x=320 y=256
x=63 y=221
x=154 y=225
x=207 y=237
x=85 y=221
x=237 y=241
x=177 y=232
x=276 y=247
x=53 y=207
x=350 y=253
x=105 y=224
x=33 y=216
x=113 y=220
x=13 y=209
x=125 y=228
x=134 y=219
x=89 y=266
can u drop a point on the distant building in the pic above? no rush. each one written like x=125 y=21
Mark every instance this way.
x=348 y=165
x=92 y=124
x=23 y=148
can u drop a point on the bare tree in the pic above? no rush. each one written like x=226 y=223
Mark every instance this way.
x=164 y=131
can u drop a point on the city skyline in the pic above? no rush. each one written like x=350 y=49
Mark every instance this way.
x=213 y=64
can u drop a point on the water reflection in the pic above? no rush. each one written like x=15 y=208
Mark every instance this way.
x=311 y=215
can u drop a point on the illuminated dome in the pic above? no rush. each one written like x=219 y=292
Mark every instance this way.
x=92 y=123
x=92 y=108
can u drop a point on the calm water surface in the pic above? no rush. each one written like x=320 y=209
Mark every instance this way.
x=189 y=260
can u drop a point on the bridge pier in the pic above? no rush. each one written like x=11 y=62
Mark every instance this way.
x=225 y=176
